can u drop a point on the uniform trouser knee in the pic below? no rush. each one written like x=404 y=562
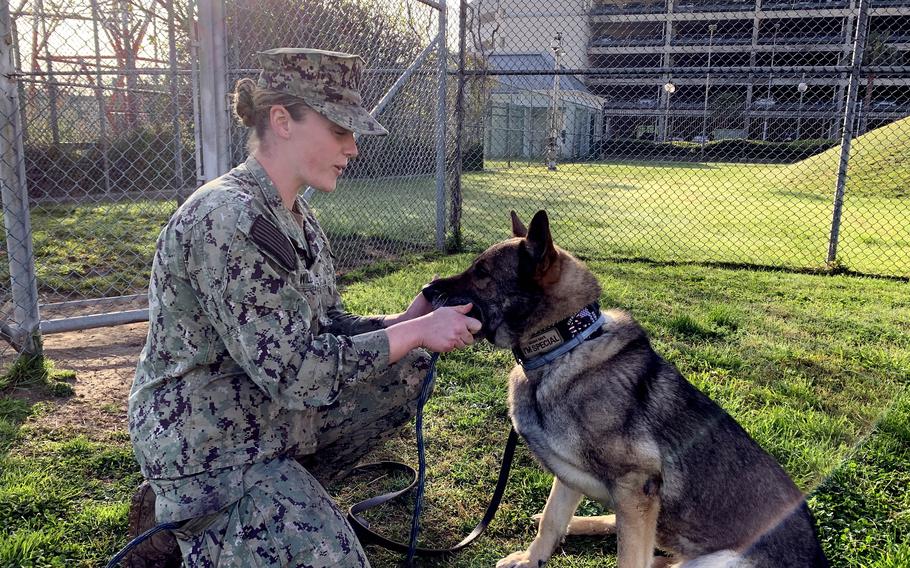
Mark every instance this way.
x=285 y=518
x=364 y=415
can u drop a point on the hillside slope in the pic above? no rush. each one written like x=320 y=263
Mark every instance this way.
x=879 y=165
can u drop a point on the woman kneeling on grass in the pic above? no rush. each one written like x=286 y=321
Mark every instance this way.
x=254 y=384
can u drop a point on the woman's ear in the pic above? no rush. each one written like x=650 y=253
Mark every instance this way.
x=280 y=121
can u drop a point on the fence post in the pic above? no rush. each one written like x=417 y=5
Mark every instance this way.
x=457 y=163
x=99 y=97
x=441 y=135
x=859 y=45
x=212 y=90
x=175 y=104
x=15 y=200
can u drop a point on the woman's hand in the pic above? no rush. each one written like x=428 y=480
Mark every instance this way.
x=443 y=330
x=448 y=328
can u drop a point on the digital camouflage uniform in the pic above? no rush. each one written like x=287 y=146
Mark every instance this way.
x=251 y=364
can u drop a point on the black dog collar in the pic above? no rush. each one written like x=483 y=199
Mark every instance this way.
x=561 y=337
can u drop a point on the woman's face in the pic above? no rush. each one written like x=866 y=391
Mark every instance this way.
x=322 y=150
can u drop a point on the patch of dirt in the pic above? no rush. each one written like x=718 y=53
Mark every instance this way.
x=104 y=360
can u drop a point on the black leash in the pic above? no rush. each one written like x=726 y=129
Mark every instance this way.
x=362 y=527
x=115 y=561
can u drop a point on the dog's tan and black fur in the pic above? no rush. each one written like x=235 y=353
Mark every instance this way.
x=613 y=420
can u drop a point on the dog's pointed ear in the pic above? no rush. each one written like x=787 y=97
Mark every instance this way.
x=518 y=228
x=540 y=242
x=538 y=232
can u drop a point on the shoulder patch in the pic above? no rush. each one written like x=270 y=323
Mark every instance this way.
x=271 y=240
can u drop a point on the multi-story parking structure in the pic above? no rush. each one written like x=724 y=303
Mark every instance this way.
x=762 y=69
x=706 y=69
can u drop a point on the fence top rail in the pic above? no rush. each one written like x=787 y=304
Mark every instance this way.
x=437 y=5
x=626 y=72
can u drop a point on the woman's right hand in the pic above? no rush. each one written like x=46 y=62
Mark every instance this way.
x=448 y=328
x=443 y=330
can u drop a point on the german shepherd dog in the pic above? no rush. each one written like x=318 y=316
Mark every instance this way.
x=614 y=421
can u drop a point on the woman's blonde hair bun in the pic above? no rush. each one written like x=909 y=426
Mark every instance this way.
x=244 y=103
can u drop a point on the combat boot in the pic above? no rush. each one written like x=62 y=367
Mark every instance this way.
x=159 y=551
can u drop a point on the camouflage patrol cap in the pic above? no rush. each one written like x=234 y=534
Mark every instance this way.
x=328 y=81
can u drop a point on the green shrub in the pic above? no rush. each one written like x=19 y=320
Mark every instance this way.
x=472 y=158
x=39 y=372
x=141 y=159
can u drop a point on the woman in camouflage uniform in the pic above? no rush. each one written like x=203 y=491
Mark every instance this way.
x=251 y=364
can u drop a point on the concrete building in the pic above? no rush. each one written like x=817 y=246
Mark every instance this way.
x=803 y=36
x=759 y=69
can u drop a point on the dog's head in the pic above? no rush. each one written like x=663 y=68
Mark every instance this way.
x=520 y=285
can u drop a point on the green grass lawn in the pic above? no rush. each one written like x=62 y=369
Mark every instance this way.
x=97 y=250
x=755 y=214
x=747 y=214
x=730 y=213
x=814 y=367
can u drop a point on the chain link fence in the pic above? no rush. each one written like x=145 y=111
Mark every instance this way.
x=693 y=130
x=115 y=111
x=766 y=132
x=386 y=202
x=98 y=151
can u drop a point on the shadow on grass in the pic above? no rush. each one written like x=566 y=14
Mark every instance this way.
x=13 y=413
x=803 y=195
x=833 y=269
x=475 y=246
x=371 y=256
x=501 y=165
x=855 y=506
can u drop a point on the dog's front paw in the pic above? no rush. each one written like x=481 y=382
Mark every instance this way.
x=520 y=559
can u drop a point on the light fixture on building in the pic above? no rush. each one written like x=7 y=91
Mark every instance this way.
x=556 y=44
x=704 y=111
x=802 y=87
x=669 y=88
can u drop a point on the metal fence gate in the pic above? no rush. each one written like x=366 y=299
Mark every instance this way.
x=751 y=132
x=115 y=110
x=98 y=149
x=391 y=200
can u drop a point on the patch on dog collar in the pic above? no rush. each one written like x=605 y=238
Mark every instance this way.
x=561 y=337
x=542 y=342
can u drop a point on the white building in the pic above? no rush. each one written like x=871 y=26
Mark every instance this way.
x=520 y=122
x=523 y=36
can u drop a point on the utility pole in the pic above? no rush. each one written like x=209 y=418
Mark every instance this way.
x=553 y=139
